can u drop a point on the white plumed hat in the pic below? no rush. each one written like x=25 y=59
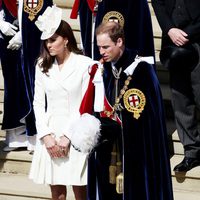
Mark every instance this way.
x=49 y=21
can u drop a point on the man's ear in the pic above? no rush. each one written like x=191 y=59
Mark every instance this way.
x=119 y=42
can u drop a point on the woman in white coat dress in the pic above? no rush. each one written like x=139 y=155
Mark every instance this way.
x=60 y=84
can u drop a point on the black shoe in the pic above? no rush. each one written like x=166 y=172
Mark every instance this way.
x=187 y=164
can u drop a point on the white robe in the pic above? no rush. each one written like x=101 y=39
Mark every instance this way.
x=64 y=90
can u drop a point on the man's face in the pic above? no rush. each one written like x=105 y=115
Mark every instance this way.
x=110 y=51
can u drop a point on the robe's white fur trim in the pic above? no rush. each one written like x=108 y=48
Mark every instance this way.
x=131 y=68
x=85 y=132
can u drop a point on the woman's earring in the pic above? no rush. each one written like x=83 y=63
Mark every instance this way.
x=65 y=45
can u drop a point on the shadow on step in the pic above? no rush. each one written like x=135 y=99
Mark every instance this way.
x=180 y=176
x=2 y=154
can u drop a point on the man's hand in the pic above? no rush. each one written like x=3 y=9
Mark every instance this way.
x=178 y=37
x=7 y=28
x=16 y=42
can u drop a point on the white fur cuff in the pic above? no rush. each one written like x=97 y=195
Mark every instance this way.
x=85 y=132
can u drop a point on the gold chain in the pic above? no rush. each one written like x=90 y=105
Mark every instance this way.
x=117 y=105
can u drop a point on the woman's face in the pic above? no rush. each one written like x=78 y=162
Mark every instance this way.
x=56 y=45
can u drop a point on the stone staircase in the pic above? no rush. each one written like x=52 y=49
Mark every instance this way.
x=185 y=185
x=14 y=166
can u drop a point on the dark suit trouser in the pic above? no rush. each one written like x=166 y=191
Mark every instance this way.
x=185 y=87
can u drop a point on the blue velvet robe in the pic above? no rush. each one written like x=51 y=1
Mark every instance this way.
x=14 y=88
x=143 y=141
x=31 y=49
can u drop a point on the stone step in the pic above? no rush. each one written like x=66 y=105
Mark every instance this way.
x=185 y=195
x=181 y=177
x=175 y=136
x=1 y=95
x=185 y=185
x=20 y=187
x=1 y=112
x=2 y=133
x=15 y=161
x=178 y=147
x=1 y=79
x=64 y=3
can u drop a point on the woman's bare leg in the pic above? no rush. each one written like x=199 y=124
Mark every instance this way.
x=58 y=192
x=80 y=192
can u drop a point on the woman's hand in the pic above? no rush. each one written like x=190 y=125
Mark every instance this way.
x=64 y=144
x=52 y=146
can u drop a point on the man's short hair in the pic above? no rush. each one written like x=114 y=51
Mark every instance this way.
x=113 y=29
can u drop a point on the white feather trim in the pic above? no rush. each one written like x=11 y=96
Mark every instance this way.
x=85 y=132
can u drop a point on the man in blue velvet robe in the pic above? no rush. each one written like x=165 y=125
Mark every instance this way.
x=143 y=141
x=133 y=126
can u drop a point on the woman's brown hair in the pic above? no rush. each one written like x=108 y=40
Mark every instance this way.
x=64 y=30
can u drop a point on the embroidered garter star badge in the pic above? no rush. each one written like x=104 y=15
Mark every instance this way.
x=134 y=101
x=114 y=16
x=32 y=7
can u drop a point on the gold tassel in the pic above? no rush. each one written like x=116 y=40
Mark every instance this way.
x=119 y=167
x=112 y=167
x=115 y=170
x=112 y=173
x=120 y=183
x=119 y=177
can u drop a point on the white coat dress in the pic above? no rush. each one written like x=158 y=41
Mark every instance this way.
x=64 y=90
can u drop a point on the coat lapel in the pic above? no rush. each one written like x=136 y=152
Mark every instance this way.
x=68 y=69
